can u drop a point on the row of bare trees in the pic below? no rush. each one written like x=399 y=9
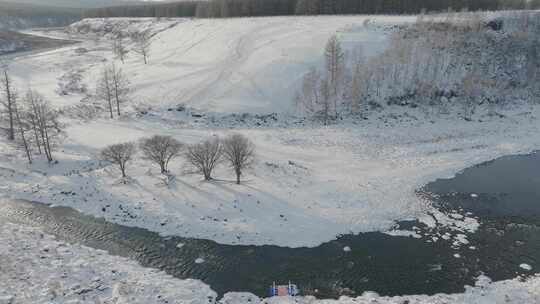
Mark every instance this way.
x=236 y=150
x=30 y=122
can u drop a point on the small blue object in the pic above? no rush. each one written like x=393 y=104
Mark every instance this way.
x=283 y=290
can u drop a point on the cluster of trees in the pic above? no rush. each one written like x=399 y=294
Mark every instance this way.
x=30 y=122
x=322 y=93
x=236 y=150
x=453 y=61
x=238 y=8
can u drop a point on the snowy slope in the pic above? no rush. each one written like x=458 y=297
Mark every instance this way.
x=234 y=65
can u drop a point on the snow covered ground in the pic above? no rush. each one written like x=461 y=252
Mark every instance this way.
x=36 y=268
x=222 y=65
x=315 y=181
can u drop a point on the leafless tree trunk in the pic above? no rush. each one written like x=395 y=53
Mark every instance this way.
x=104 y=89
x=9 y=103
x=239 y=151
x=161 y=150
x=309 y=95
x=357 y=86
x=205 y=156
x=325 y=100
x=46 y=122
x=22 y=127
x=119 y=154
x=120 y=86
x=335 y=66
x=33 y=116
x=119 y=49
x=142 y=42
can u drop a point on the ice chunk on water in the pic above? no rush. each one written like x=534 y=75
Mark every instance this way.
x=199 y=261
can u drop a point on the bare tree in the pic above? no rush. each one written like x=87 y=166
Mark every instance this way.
x=119 y=154
x=32 y=116
x=45 y=123
x=335 y=66
x=161 y=150
x=23 y=127
x=471 y=86
x=104 y=89
x=357 y=89
x=315 y=96
x=325 y=100
x=308 y=97
x=239 y=151
x=8 y=102
x=119 y=49
x=205 y=156
x=120 y=86
x=142 y=42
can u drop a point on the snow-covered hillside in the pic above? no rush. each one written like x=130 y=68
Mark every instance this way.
x=233 y=65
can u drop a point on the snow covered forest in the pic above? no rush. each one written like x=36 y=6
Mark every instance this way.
x=244 y=131
x=444 y=64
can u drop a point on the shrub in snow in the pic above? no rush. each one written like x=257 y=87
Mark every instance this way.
x=71 y=82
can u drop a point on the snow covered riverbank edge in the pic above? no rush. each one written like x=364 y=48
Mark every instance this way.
x=37 y=269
